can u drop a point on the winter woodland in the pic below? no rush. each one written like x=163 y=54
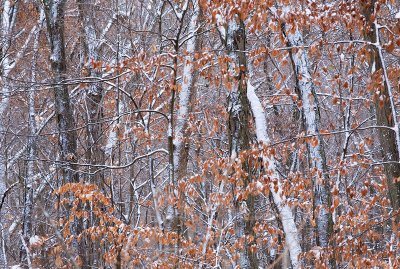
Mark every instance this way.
x=199 y=134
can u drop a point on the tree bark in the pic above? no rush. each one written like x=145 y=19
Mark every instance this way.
x=54 y=13
x=384 y=107
x=311 y=120
x=185 y=96
x=93 y=100
x=285 y=212
x=31 y=149
x=94 y=92
x=239 y=136
x=8 y=16
x=181 y=134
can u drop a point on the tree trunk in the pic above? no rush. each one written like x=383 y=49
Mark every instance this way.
x=311 y=120
x=93 y=100
x=94 y=93
x=239 y=137
x=286 y=215
x=31 y=149
x=181 y=134
x=384 y=107
x=54 y=13
x=8 y=17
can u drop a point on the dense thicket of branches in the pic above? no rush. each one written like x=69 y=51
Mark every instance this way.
x=199 y=134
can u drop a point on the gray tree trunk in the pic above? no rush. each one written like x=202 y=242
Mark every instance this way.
x=94 y=93
x=311 y=120
x=31 y=150
x=239 y=136
x=384 y=107
x=54 y=13
x=8 y=17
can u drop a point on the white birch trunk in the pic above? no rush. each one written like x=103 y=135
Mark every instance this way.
x=178 y=132
x=187 y=88
x=286 y=215
x=311 y=122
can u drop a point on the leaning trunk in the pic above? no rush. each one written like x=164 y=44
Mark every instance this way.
x=285 y=212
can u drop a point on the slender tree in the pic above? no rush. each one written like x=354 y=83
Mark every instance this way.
x=384 y=103
x=55 y=19
x=311 y=120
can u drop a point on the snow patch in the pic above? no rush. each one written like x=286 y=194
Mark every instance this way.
x=220 y=26
x=258 y=112
x=35 y=240
x=12 y=227
x=259 y=185
x=316 y=251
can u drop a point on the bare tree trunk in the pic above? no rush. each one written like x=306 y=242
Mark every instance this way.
x=181 y=134
x=31 y=149
x=7 y=25
x=285 y=213
x=54 y=13
x=93 y=99
x=8 y=17
x=239 y=135
x=384 y=106
x=94 y=93
x=185 y=96
x=311 y=120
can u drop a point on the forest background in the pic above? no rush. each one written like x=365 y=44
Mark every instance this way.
x=199 y=134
